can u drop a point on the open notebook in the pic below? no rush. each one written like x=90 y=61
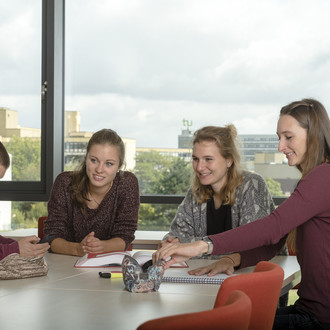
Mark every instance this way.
x=182 y=276
x=115 y=258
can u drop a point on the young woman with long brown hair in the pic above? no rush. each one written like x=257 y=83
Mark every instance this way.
x=94 y=209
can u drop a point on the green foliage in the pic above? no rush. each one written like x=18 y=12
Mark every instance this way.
x=26 y=214
x=26 y=159
x=148 y=169
x=17 y=218
x=26 y=155
x=160 y=175
x=72 y=165
x=175 y=179
x=274 y=187
x=156 y=217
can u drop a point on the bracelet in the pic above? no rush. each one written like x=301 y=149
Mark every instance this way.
x=228 y=258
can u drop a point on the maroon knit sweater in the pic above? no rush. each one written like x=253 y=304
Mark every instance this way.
x=116 y=216
x=308 y=210
x=7 y=246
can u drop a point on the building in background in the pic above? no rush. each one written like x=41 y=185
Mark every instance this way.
x=75 y=142
x=186 y=136
x=275 y=166
x=252 y=144
x=9 y=126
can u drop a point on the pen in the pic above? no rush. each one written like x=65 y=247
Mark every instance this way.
x=111 y=274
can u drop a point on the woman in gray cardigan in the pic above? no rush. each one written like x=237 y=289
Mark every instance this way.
x=221 y=197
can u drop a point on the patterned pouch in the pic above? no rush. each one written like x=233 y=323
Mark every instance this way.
x=15 y=266
x=139 y=279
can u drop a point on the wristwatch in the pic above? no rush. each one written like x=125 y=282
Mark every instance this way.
x=210 y=245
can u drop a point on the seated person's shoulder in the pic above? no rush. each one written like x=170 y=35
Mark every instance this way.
x=250 y=176
x=126 y=177
x=251 y=180
x=64 y=176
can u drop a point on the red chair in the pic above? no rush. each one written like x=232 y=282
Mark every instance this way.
x=41 y=221
x=263 y=286
x=234 y=314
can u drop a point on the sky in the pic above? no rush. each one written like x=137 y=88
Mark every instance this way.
x=141 y=67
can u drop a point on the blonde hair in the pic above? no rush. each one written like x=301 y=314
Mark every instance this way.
x=225 y=138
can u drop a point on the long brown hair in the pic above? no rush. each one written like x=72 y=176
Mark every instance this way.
x=79 y=186
x=312 y=116
x=225 y=139
x=4 y=157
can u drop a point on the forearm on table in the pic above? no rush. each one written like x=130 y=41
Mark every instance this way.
x=234 y=257
x=62 y=246
x=114 y=244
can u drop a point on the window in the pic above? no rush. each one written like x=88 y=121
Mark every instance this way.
x=31 y=34
x=157 y=71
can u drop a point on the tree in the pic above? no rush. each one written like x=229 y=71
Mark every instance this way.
x=175 y=179
x=158 y=174
x=274 y=187
x=26 y=158
x=26 y=214
x=72 y=165
x=148 y=169
x=26 y=155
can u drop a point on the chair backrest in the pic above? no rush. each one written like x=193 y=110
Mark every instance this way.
x=263 y=286
x=41 y=221
x=234 y=314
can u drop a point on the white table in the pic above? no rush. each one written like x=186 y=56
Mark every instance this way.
x=72 y=298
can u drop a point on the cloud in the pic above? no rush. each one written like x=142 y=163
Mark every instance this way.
x=140 y=67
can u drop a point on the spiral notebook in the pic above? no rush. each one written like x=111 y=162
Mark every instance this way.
x=182 y=276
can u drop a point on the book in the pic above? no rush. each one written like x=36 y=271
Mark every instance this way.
x=115 y=259
x=182 y=276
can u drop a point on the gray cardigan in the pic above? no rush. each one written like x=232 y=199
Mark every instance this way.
x=252 y=201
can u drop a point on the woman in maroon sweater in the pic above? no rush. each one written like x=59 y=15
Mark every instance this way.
x=26 y=246
x=304 y=219
x=94 y=209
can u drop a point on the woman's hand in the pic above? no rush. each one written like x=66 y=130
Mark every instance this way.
x=223 y=265
x=28 y=247
x=178 y=252
x=91 y=244
x=169 y=239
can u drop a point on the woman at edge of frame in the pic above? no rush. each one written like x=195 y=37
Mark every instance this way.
x=303 y=219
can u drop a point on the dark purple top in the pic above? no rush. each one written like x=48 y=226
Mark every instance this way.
x=308 y=209
x=116 y=216
x=7 y=246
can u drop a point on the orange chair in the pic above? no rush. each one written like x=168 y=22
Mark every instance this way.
x=41 y=221
x=263 y=286
x=234 y=314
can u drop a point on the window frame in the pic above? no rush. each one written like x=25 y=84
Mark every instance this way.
x=52 y=116
x=52 y=109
